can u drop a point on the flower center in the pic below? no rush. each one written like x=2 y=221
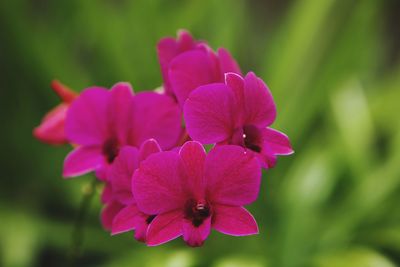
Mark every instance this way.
x=252 y=138
x=197 y=211
x=150 y=218
x=111 y=149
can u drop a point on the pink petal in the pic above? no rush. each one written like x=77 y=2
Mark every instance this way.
x=125 y=220
x=266 y=158
x=149 y=147
x=209 y=113
x=277 y=142
x=194 y=236
x=51 y=130
x=107 y=194
x=236 y=221
x=103 y=171
x=168 y=48
x=165 y=227
x=109 y=212
x=120 y=112
x=156 y=116
x=157 y=183
x=86 y=118
x=82 y=160
x=193 y=156
x=191 y=69
x=273 y=143
x=121 y=173
x=185 y=41
x=233 y=176
x=227 y=63
x=259 y=106
x=236 y=84
x=142 y=224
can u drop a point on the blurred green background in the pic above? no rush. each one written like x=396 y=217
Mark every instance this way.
x=333 y=68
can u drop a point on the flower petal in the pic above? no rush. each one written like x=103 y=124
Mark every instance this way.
x=107 y=194
x=82 y=160
x=141 y=225
x=259 y=106
x=109 y=212
x=277 y=142
x=266 y=158
x=191 y=69
x=120 y=111
x=227 y=63
x=125 y=220
x=209 y=114
x=236 y=221
x=156 y=116
x=193 y=156
x=185 y=41
x=233 y=176
x=236 y=83
x=86 y=118
x=194 y=236
x=168 y=48
x=51 y=130
x=121 y=173
x=164 y=227
x=149 y=147
x=273 y=143
x=157 y=183
x=103 y=171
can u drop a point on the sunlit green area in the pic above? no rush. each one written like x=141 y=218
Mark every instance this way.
x=333 y=68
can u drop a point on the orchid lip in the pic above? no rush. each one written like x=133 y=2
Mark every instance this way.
x=197 y=211
x=110 y=149
x=252 y=138
x=150 y=218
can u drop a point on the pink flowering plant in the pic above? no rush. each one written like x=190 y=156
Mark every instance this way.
x=158 y=180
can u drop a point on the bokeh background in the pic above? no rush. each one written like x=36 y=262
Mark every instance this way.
x=333 y=67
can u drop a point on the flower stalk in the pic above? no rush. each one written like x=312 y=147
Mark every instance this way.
x=77 y=236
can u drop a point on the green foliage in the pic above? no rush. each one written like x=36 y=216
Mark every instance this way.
x=333 y=203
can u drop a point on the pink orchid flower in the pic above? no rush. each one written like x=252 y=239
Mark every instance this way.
x=237 y=112
x=168 y=48
x=120 y=213
x=187 y=64
x=101 y=121
x=51 y=129
x=191 y=192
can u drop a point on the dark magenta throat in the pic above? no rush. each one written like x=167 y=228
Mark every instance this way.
x=150 y=218
x=197 y=211
x=252 y=138
x=110 y=149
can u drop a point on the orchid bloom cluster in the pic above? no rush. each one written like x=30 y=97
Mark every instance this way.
x=159 y=181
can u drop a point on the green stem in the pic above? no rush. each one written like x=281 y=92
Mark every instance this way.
x=77 y=237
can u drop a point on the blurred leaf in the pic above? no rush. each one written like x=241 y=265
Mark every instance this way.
x=356 y=257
